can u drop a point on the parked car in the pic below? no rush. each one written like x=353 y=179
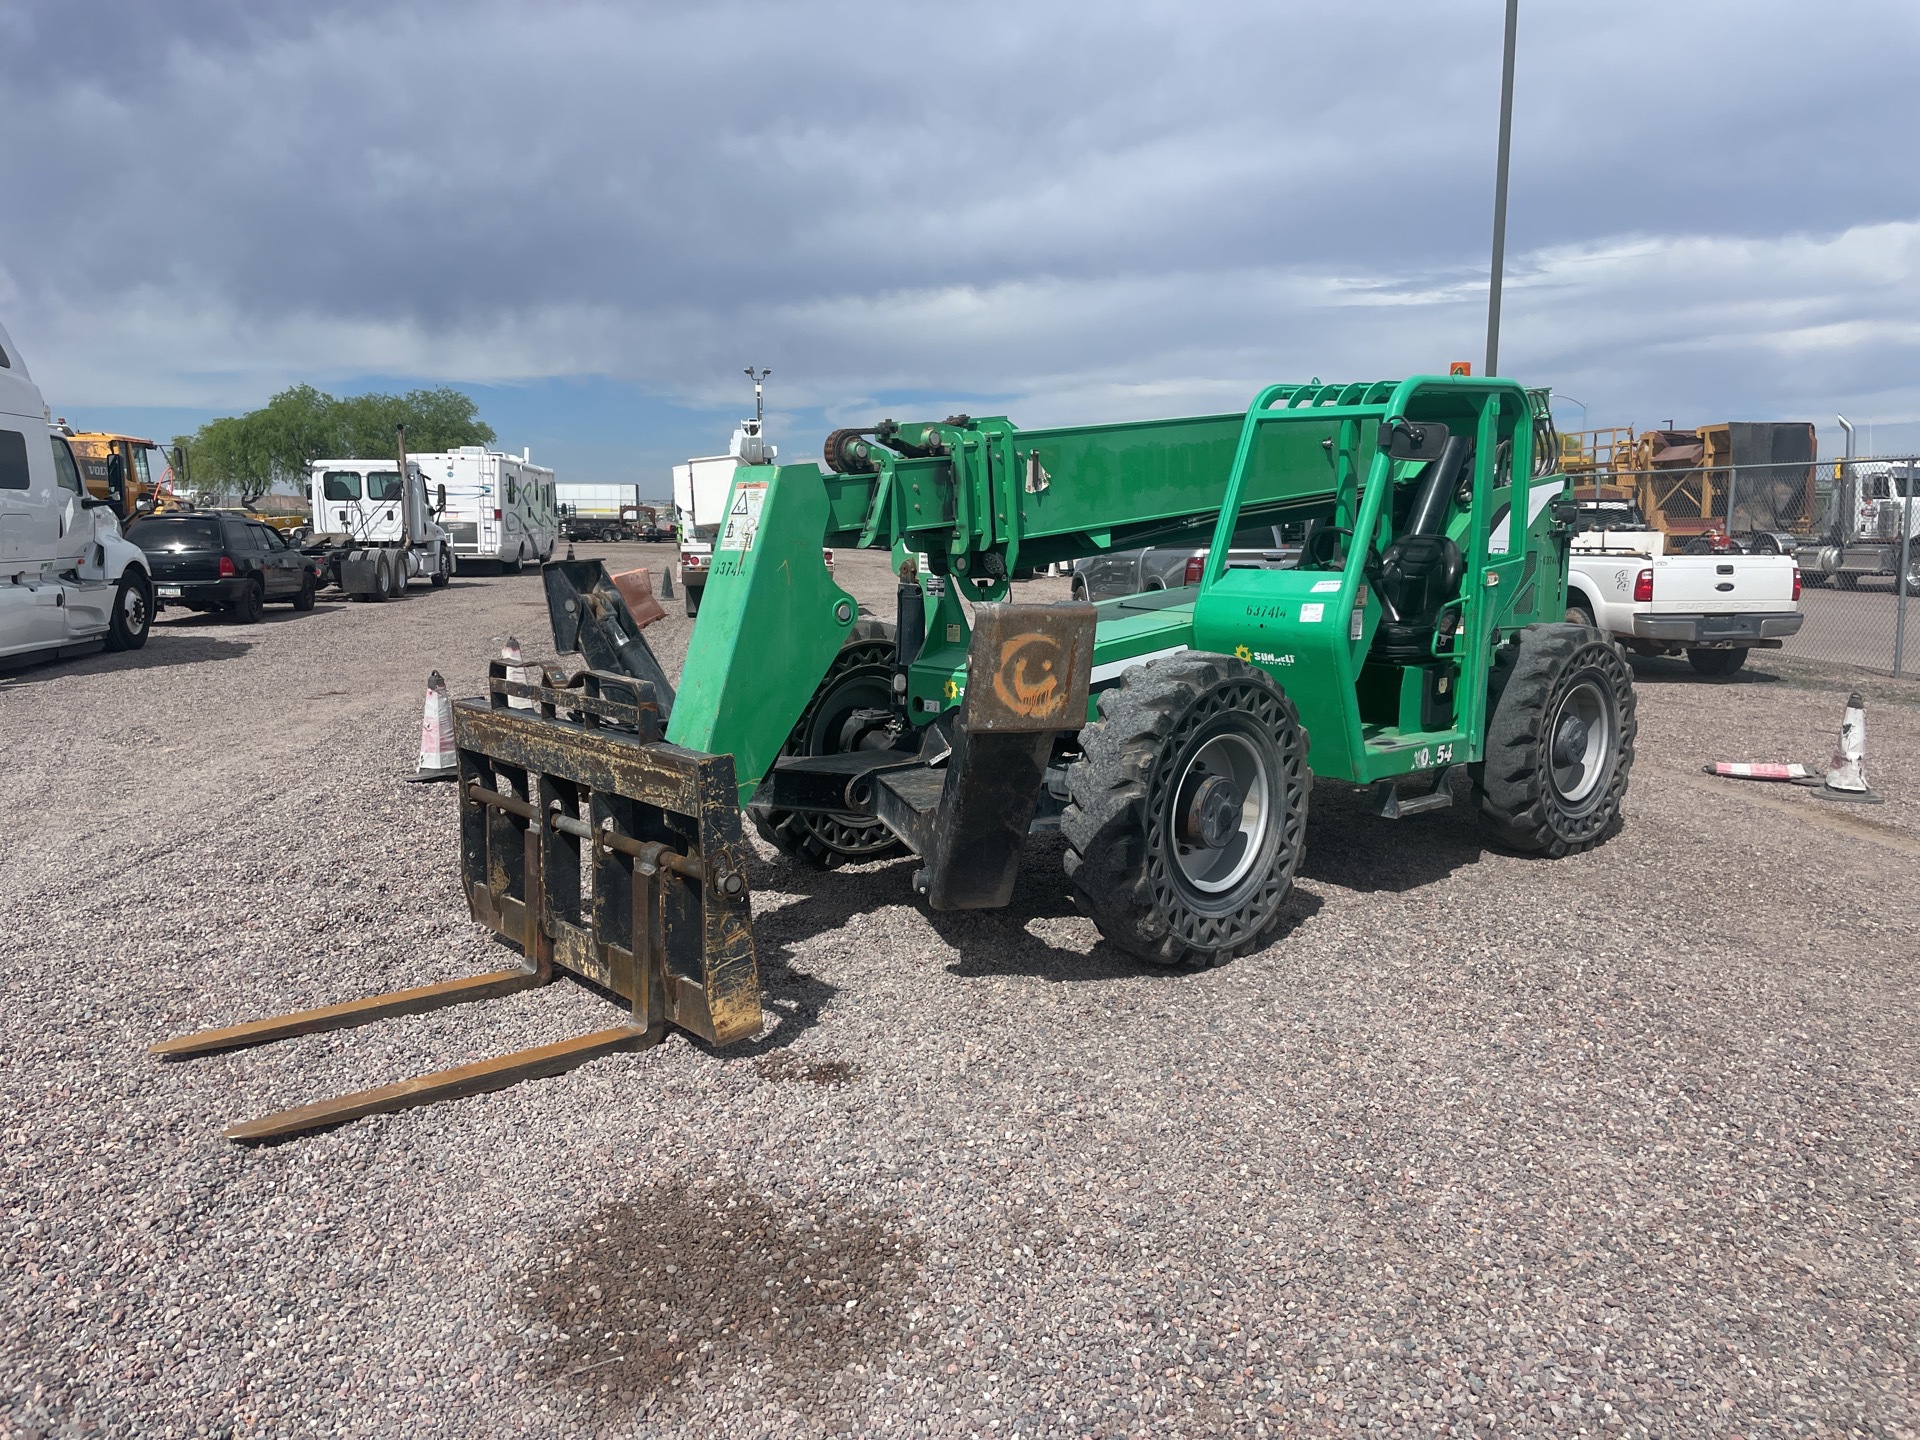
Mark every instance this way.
x=221 y=560
x=1168 y=567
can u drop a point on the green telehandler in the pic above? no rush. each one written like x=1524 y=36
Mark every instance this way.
x=1171 y=737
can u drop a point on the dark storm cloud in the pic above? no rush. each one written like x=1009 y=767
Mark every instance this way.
x=1091 y=208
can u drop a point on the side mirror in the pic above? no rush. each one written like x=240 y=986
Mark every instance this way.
x=439 y=499
x=117 y=480
x=1405 y=439
x=1566 y=515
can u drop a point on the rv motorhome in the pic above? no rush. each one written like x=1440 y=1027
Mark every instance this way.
x=500 y=508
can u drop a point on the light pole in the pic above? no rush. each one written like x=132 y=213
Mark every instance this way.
x=1500 y=192
x=1562 y=395
x=759 y=379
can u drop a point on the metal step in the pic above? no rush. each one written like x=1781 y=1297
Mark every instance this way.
x=1390 y=804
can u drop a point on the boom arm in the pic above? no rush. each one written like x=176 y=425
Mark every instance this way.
x=983 y=499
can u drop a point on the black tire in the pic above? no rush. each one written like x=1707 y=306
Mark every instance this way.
x=861 y=677
x=382 y=582
x=1143 y=771
x=1717 y=663
x=1698 y=546
x=1577 y=614
x=1077 y=588
x=304 y=600
x=251 y=605
x=513 y=566
x=445 y=571
x=1552 y=678
x=132 y=611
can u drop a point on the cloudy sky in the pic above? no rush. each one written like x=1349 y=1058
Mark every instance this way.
x=594 y=216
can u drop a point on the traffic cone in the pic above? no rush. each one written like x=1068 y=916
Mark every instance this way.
x=570 y=549
x=520 y=673
x=1847 y=770
x=666 y=582
x=1793 y=771
x=438 y=759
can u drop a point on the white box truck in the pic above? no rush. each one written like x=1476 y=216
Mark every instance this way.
x=599 y=511
x=700 y=489
x=500 y=508
x=69 y=581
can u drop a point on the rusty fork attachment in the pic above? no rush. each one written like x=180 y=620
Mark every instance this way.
x=596 y=849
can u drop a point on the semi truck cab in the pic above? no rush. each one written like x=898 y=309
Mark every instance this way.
x=69 y=581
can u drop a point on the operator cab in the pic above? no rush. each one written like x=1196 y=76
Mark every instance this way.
x=1417 y=577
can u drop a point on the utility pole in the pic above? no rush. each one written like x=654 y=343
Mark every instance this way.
x=1500 y=193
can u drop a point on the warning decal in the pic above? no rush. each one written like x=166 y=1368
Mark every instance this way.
x=743 y=516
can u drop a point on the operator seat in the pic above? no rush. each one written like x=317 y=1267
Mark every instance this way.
x=1421 y=571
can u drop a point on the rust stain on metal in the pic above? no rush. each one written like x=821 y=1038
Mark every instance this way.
x=1038 y=662
x=636 y=588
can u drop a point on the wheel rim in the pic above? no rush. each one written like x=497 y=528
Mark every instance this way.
x=133 y=610
x=1580 y=744
x=825 y=726
x=1239 y=738
x=1214 y=862
x=866 y=685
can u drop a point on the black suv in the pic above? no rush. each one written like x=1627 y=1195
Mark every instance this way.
x=222 y=560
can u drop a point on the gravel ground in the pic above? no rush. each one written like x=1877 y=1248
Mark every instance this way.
x=1622 y=1144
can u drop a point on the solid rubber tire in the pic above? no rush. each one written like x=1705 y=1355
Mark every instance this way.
x=1150 y=722
x=812 y=838
x=1516 y=801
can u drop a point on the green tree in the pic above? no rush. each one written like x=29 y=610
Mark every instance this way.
x=247 y=455
x=438 y=419
x=232 y=456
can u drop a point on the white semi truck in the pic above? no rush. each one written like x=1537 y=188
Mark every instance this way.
x=500 y=508
x=69 y=581
x=1872 y=526
x=374 y=530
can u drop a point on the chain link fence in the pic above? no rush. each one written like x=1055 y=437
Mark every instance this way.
x=1849 y=524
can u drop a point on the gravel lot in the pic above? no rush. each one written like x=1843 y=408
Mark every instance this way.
x=1623 y=1144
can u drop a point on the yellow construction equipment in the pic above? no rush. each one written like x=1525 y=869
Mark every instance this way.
x=116 y=468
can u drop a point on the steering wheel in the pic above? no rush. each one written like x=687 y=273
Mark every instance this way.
x=1318 y=555
x=1318 y=551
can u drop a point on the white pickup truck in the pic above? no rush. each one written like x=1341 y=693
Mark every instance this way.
x=1712 y=608
x=69 y=581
